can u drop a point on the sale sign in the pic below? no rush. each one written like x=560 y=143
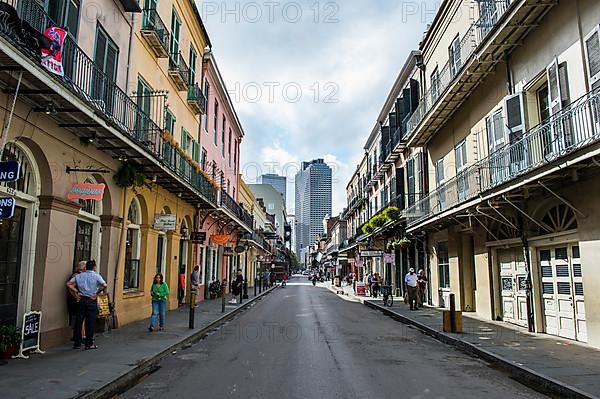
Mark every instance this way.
x=86 y=191
x=52 y=56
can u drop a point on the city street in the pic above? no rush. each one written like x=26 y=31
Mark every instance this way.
x=275 y=350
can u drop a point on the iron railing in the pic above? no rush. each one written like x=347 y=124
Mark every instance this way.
x=491 y=12
x=230 y=204
x=576 y=126
x=151 y=22
x=88 y=81
x=257 y=238
x=196 y=98
x=178 y=67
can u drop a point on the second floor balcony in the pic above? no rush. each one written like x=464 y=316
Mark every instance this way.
x=155 y=32
x=179 y=71
x=499 y=29
x=196 y=99
x=230 y=204
x=568 y=132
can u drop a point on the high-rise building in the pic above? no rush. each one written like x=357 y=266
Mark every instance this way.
x=313 y=202
x=278 y=183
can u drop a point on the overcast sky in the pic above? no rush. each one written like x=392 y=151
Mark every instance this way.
x=308 y=79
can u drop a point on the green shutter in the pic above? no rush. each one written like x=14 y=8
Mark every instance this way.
x=183 y=139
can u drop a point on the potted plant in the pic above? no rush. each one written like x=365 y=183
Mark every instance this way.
x=378 y=220
x=214 y=289
x=368 y=228
x=392 y=212
x=10 y=338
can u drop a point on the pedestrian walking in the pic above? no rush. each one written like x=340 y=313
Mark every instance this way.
x=370 y=283
x=375 y=284
x=85 y=288
x=410 y=281
x=267 y=279
x=160 y=294
x=422 y=280
x=237 y=286
x=194 y=285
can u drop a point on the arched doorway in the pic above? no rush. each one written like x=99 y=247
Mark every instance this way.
x=88 y=231
x=18 y=236
x=183 y=257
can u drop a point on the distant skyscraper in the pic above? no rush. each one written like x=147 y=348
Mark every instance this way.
x=279 y=183
x=313 y=202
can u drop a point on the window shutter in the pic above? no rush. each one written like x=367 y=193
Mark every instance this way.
x=400 y=187
x=554 y=95
x=196 y=151
x=419 y=175
x=414 y=95
x=393 y=124
x=592 y=55
x=183 y=139
x=514 y=116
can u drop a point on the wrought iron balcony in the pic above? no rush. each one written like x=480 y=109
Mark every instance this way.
x=236 y=209
x=463 y=73
x=131 y=5
x=126 y=129
x=575 y=127
x=196 y=99
x=155 y=32
x=179 y=71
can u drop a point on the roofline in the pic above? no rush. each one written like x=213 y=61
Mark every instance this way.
x=199 y=18
x=357 y=170
x=403 y=75
x=212 y=61
x=434 y=24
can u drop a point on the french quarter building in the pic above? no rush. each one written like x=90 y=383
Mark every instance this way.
x=497 y=155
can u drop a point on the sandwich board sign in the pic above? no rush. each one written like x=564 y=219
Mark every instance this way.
x=30 y=334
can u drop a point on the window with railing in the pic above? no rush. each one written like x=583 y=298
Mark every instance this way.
x=131 y=278
x=443 y=265
x=455 y=56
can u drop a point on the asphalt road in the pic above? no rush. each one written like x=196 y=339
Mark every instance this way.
x=305 y=342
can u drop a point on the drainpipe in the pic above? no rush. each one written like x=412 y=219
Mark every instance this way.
x=509 y=79
x=529 y=291
x=132 y=22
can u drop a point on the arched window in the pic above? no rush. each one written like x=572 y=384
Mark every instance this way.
x=161 y=250
x=88 y=230
x=26 y=183
x=131 y=279
x=558 y=219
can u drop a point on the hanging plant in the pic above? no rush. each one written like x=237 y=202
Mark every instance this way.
x=404 y=243
x=368 y=228
x=392 y=212
x=378 y=220
x=129 y=176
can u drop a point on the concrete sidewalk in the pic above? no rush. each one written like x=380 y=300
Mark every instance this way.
x=555 y=365
x=124 y=355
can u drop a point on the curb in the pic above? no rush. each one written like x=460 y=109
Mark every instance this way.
x=149 y=365
x=520 y=373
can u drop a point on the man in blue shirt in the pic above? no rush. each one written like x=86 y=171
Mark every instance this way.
x=85 y=287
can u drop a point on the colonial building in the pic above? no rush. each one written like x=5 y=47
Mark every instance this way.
x=506 y=123
x=110 y=137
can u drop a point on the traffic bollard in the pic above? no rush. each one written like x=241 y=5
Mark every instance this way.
x=245 y=289
x=192 y=311
x=241 y=296
x=452 y=313
x=255 y=282
x=223 y=297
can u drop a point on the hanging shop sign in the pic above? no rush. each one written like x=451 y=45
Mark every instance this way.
x=240 y=249
x=86 y=191
x=371 y=254
x=7 y=207
x=198 y=237
x=9 y=171
x=389 y=258
x=52 y=55
x=219 y=239
x=30 y=334
x=165 y=222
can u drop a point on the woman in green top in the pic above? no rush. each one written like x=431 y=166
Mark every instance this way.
x=160 y=293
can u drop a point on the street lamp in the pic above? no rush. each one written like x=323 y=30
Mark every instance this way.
x=246 y=248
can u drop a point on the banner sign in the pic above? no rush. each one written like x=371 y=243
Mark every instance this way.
x=7 y=207
x=30 y=334
x=165 y=222
x=389 y=258
x=52 y=56
x=371 y=254
x=86 y=191
x=219 y=239
x=9 y=171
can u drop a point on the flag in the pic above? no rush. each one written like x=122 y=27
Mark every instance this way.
x=52 y=57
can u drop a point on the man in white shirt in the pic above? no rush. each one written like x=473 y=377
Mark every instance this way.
x=412 y=286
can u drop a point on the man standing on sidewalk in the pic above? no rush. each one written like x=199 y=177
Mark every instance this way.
x=413 y=289
x=85 y=287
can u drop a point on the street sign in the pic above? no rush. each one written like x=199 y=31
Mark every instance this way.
x=165 y=222
x=371 y=254
x=7 y=207
x=198 y=237
x=9 y=171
